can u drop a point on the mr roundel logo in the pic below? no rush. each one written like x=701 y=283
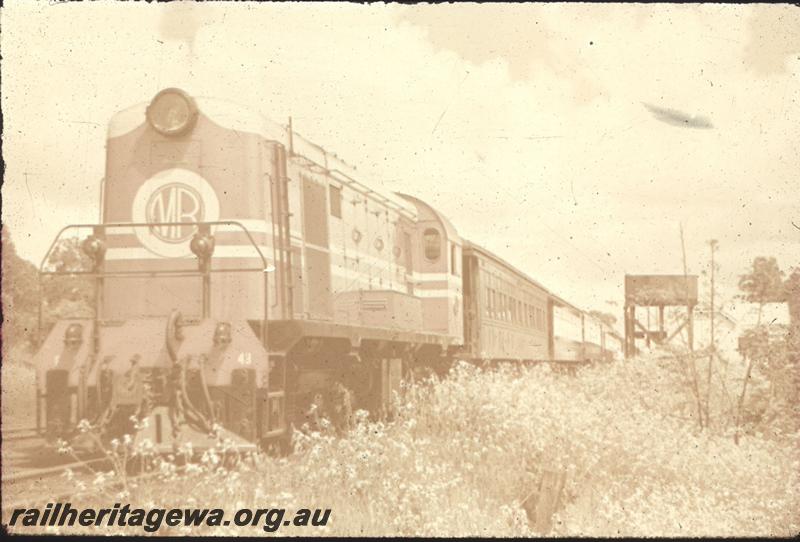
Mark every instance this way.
x=173 y=201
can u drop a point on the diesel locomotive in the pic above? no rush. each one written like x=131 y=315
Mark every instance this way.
x=241 y=272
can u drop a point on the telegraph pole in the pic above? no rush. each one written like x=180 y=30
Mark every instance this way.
x=713 y=347
x=713 y=244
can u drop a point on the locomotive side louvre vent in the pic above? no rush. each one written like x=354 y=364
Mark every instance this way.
x=374 y=304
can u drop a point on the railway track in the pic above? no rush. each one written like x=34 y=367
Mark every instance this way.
x=20 y=434
x=32 y=470
x=41 y=473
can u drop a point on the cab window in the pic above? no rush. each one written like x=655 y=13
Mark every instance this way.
x=432 y=241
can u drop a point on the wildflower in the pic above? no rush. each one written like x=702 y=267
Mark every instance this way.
x=216 y=430
x=186 y=449
x=99 y=479
x=144 y=448
x=64 y=447
x=140 y=424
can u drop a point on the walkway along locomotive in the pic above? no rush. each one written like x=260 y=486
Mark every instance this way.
x=242 y=273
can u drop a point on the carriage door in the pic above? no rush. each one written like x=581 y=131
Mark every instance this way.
x=317 y=259
x=409 y=262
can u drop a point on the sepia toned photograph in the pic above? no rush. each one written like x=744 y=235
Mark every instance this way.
x=400 y=270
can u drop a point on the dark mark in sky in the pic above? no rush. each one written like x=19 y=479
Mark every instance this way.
x=678 y=118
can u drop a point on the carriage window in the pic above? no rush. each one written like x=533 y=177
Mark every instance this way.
x=336 y=201
x=432 y=240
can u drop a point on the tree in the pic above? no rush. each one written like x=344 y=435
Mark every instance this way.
x=67 y=256
x=66 y=296
x=792 y=292
x=20 y=296
x=763 y=284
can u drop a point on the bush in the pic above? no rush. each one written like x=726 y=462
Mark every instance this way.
x=465 y=452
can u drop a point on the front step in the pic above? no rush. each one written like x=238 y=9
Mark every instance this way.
x=158 y=430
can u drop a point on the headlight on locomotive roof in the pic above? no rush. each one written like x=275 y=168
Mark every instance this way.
x=172 y=112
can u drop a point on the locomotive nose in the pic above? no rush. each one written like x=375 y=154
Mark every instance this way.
x=172 y=112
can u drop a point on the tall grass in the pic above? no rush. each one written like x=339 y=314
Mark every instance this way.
x=466 y=451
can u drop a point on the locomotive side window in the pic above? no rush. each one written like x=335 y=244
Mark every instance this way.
x=432 y=241
x=336 y=200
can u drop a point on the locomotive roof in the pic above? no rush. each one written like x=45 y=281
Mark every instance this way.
x=242 y=118
x=449 y=229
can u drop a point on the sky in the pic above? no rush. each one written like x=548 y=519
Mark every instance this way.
x=573 y=140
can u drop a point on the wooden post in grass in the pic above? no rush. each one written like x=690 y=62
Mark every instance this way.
x=545 y=502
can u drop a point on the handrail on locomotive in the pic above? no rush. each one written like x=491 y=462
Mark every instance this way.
x=203 y=228
x=202 y=246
